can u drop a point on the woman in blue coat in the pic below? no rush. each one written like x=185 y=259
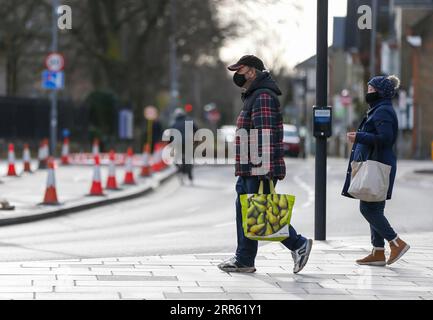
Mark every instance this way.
x=378 y=130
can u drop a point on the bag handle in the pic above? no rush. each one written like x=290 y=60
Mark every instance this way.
x=373 y=154
x=271 y=187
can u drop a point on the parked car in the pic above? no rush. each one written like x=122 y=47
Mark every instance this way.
x=291 y=141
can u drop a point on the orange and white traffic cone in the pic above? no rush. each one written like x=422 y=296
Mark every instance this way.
x=51 y=193
x=129 y=174
x=43 y=154
x=11 y=161
x=158 y=163
x=96 y=189
x=65 y=152
x=156 y=159
x=95 y=147
x=112 y=181
x=145 y=167
x=27 y=159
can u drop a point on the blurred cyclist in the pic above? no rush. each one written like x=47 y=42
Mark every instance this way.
x=180 y=124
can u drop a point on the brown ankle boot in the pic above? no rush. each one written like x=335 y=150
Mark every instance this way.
x=398 y=249
x=376 y=258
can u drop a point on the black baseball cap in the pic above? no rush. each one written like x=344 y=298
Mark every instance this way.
x=249 y=61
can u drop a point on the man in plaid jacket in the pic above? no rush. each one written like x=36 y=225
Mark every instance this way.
x=259 y=157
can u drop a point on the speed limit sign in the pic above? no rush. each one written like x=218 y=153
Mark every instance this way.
x=55 y=62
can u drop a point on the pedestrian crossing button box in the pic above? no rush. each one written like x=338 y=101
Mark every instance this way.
x=322 y=122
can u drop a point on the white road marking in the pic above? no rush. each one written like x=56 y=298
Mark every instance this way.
x=308 y=189
x=191 y=210
x=228 y=224
x=426 y=184
x=172 y=234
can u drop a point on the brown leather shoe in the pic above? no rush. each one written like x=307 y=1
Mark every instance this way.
x=398 y=249
x=376 y=258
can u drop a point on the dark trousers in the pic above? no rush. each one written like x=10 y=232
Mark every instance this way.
x=247 y=249
x=380 y=228
x=185 y=169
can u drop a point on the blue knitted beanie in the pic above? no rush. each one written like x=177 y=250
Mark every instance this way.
x=386 y=86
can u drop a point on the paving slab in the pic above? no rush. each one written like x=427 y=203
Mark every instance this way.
x=77 y=296
x=196 y=276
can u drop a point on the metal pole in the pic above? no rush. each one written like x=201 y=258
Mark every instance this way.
x=54 y=48
x=305 y=116
x=321 y=101
x=174 y=85
x=304 y=101
x=373 y=38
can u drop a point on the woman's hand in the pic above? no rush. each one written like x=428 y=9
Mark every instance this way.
x=351 y=136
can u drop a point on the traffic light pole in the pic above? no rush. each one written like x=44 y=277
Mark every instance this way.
x=321 y=101
x=53 y=113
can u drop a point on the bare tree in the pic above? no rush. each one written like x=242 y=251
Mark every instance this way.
x=20 y=30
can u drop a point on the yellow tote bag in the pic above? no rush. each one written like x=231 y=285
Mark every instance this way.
x=266 y=217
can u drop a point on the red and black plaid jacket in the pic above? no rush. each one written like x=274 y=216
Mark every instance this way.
x=263 y=114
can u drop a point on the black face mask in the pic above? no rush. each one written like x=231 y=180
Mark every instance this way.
x=372 y=97
x=239 y=79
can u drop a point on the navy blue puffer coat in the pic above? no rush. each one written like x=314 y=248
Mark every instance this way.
x=378 y=129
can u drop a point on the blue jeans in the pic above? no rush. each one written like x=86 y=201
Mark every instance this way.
x=247 y=249
x=380 y=228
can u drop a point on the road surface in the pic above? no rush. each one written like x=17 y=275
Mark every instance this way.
x=187 y=219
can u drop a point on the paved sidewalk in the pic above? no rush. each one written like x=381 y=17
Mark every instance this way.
x=73 y=184
x=330 y=274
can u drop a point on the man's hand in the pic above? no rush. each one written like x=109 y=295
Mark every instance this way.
x=351 y=136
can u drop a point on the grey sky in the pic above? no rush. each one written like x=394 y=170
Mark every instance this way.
x=284 y=33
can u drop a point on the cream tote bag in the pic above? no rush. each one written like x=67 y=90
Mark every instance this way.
x=370 y=181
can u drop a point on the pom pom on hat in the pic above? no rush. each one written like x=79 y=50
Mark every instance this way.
x=396 y=81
